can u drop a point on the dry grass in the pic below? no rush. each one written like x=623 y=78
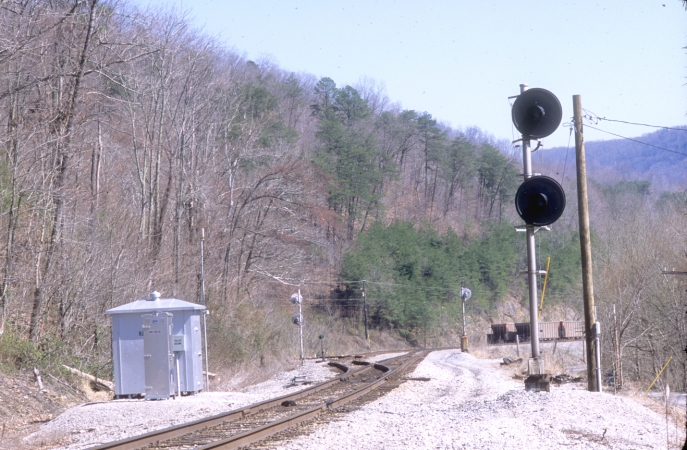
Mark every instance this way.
x=341 y=340
x=93 y=393
x=57 y=439
x=635 y=392
x=566 y=358
x=676 y=417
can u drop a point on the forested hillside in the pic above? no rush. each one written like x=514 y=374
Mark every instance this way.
x=127 y=135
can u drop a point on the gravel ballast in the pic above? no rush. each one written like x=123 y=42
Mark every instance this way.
x=471 y=404
x=468 y=403
x=92 y=424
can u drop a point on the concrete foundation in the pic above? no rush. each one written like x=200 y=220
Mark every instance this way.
x=538 y=383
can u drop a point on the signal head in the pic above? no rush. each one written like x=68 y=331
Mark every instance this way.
x=536 y=113
x=540 y=201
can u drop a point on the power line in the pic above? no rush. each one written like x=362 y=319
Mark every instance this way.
x=642 y=124
x=565 y=163
x=338 y=282
x=635 y=140
x=595 y=118
x=426 y=288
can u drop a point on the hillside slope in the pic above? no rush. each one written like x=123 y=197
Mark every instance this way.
x=659 y=157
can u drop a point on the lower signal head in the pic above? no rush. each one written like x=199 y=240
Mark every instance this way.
x=540 y=201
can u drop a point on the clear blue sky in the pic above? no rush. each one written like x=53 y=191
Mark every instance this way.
x=460 y=60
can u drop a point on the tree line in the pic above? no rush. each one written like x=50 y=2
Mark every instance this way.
x=128 y=134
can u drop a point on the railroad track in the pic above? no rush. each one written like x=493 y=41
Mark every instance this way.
x=244 y=426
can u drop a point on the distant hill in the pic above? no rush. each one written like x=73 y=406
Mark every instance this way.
x=621 y=159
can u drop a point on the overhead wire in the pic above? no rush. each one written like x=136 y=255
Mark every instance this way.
x=592 y=116
x=567 y=150
x=305 y=283
x=644 y=124
x=426 y=288
x=635 y=140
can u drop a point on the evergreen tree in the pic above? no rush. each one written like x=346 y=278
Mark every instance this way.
x=414 y=273
x=348 y=155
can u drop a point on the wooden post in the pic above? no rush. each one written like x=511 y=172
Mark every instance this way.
x=39 y=381
x=618 y=381
x=673 y=272
x=205 y=311
x=367 y=336
x=585 y=244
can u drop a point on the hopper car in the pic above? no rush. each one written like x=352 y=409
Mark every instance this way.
x=505 y=333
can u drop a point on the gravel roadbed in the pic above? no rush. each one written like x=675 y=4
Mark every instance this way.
x=468 y=403
x=92 y=424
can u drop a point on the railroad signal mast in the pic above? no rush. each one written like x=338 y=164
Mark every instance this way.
x=465 y=295
x=539 y=201
x=297 y=319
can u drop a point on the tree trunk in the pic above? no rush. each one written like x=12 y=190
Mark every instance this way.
x=60 y=133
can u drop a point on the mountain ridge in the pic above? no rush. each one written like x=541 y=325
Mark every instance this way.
x=659 y=157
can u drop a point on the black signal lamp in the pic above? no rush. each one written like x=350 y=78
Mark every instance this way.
x=537 y=113
x=540 y=201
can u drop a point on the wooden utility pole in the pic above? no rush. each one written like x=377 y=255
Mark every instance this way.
x=673 y=272
x=205 y=312
x=618 y=376
x=367 y=336
x=585 y=246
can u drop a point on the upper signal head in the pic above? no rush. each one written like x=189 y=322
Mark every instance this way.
x=536 y=113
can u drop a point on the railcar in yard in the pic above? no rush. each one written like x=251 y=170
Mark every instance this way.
x=507 y=333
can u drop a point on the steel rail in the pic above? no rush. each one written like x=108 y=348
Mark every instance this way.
x=267 y=430
x=136 y=442
x=264 y=431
